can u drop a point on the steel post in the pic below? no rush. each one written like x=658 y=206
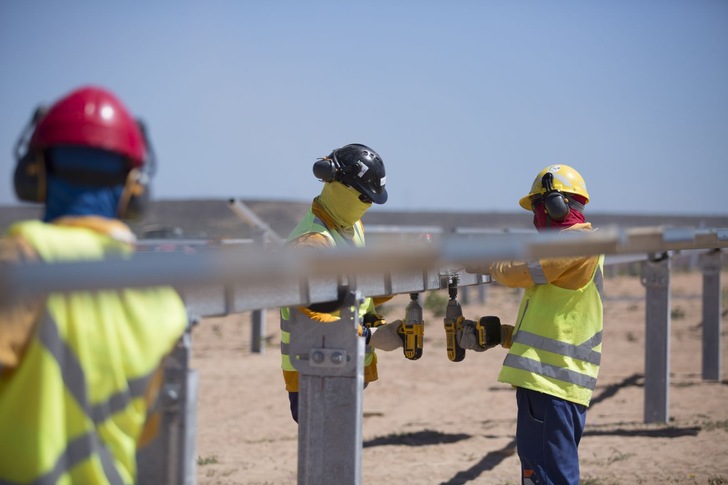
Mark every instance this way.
x=710 y=264
x=656 y=279
x=330 y=361
x=170 y=457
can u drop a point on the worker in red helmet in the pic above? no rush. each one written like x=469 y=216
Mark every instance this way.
x=79 y=371
x=354 y=178
x=555 y=349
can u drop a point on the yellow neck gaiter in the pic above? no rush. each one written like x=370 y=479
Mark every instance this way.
x=342 y=203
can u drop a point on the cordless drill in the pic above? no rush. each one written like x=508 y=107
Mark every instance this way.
x=412 y=329
x=453 y=312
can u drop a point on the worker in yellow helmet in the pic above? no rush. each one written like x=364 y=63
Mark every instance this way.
x=79 y=371
x=555 y=346
x=354 y=178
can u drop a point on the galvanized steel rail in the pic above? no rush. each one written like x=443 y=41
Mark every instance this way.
x=239 y=279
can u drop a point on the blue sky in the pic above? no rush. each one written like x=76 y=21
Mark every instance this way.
x=466 y=101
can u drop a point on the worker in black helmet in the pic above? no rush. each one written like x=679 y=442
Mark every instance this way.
x=354 y=179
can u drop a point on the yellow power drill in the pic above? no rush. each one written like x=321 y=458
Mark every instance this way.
x=412 y=330
x=453 y=316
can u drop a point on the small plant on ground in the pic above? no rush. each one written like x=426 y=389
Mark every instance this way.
x=436 y=303
x=207 y=460
x=677 y=313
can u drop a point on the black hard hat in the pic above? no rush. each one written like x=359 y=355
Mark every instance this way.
x=356 y=166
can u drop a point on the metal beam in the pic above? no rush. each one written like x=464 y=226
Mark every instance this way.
x=259 y=278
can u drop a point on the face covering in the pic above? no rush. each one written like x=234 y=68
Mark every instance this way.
x=544 y=223
x=83 y=182
x=67 y=199
x=342 y=203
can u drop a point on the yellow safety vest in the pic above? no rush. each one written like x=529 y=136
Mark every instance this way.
x=312 y=224
x=74 y=408
x=557 y=341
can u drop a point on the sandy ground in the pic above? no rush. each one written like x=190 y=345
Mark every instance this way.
x=433 y=421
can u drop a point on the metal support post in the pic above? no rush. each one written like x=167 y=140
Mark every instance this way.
x=170 y=457
x=710 y=264
x=465 y=295
x=330 y=361
x=481 y=294
x=257 y=320
x=656 y=279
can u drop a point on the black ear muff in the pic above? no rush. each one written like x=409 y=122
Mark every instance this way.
x=556 y=205
x=136 y=195
x=325 y=169
x=138 y=187
x=29 y=179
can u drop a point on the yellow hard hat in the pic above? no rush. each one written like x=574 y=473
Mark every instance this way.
x=565 y=179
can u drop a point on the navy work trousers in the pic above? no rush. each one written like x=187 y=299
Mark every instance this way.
x=548 y=432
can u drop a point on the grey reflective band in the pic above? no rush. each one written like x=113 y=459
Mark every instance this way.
x=536 y=271
x=120 y=400
x=285 y=325
x=552 y=371
x=79 y=449
x=599 y=282
x=73 y=376
x=285 y=348
x=584 y=352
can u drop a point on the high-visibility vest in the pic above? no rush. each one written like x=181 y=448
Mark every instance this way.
x=557 y=341
x=312 y=224
x=74 y=408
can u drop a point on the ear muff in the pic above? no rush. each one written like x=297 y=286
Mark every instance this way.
x=325 y=169
x=29 y=180
x=137 y=189
x=136 y=195
x=556 y=205
x=328 y=169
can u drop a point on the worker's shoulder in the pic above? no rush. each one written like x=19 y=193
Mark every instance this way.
x=14 y=248
x=310 y=239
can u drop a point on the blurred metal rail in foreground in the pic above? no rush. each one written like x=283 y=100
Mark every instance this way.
x=315 y=275
x=237 y=279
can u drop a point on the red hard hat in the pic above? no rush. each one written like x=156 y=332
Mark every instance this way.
x=91 y=117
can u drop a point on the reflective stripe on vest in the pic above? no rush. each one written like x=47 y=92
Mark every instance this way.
x=552 y=371
x=536 y=272
x=584 y=352
x=73 y=376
